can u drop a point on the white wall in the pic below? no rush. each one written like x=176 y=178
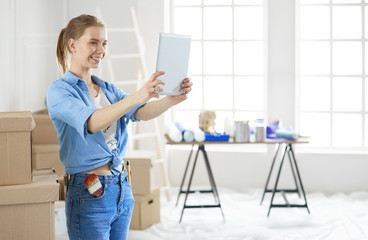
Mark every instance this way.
x=28 y=63
x=7 y=48
x=281 y=51
x=240 y=169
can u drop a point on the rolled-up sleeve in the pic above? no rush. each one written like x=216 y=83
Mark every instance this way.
x=69 y=109
x=129 y=116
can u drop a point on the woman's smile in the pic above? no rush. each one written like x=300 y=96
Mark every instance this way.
x=96 y=59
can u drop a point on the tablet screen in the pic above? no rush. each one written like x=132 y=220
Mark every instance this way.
x=173 y=59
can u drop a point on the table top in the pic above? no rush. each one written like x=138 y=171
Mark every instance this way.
x=267 y=141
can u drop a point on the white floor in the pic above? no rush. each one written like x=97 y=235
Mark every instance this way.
x=333 y=217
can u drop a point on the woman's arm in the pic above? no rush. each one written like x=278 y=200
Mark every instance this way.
x=155 y=108
x=103 y=117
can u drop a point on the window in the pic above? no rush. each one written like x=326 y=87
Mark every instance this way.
x=332 y=40
x=227 y=58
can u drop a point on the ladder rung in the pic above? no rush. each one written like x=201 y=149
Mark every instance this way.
x=158 y=161
x=164 y=188
x=121 y=30
x=133 y=55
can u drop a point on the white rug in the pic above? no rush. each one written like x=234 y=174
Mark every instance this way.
x=333 y=217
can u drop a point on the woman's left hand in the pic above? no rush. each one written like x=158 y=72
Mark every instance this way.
x=185 y=87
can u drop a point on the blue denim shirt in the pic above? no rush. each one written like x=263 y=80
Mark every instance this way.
x=70 y=104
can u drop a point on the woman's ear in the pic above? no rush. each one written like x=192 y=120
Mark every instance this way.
x=71 y=45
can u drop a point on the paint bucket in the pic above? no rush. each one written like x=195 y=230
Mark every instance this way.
x=260 y=133
x=241 y=131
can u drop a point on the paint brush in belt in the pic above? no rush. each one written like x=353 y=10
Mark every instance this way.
x=93 y=185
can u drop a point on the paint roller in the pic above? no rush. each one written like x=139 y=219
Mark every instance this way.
x=188 y=135
x=286 y=133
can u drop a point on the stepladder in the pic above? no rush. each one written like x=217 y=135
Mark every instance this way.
x=138 y=131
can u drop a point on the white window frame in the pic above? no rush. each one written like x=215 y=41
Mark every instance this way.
x=233 y=110
x=363 y=40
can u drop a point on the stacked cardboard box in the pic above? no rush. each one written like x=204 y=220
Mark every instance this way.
x=146 y=193
x=47 y=156
x=45 y=147
x=146 y=210
x=15 y=147
x=45 y=132
x=27 y=210
x=26 y=199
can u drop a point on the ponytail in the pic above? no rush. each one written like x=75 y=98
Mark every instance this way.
x=75 y=30
x=61 y=51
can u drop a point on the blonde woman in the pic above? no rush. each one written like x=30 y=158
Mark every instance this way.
x=91 y=116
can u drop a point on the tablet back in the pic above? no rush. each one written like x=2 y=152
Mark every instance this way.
x=173 y=59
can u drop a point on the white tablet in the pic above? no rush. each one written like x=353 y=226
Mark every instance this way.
x=173 y=59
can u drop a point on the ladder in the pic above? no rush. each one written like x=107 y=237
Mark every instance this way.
x=142 y=76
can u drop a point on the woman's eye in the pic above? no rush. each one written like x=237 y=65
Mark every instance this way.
x=94 y=43
x=104 y=44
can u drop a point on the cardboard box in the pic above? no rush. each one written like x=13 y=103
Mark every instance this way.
x=44 y=132
x=15 y=147
x=27 y=211
x=146 y=210
x=47 y=156
x=60 y=180
x=141 y=168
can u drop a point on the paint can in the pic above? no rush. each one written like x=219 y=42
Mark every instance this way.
x=241 y=131
x=260 y=133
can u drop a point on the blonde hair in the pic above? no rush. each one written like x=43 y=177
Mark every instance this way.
x=75 y=29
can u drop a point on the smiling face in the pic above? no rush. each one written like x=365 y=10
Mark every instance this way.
x=89 y=49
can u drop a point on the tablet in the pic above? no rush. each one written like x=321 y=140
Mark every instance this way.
x=173 y=59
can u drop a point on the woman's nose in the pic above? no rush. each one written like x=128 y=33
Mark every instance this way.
x=101 y=48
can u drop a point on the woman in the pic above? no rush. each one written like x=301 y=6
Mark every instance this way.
x=91 y=116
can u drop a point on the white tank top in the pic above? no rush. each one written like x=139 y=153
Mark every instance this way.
x=110 y=131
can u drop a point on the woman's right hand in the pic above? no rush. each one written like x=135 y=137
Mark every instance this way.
x=149 y=89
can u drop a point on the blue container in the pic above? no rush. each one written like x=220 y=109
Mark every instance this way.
x=217 y=137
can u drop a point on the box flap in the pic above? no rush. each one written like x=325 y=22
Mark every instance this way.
x=44 y=171
x=16 y=121
x=41 y=117
x=44 y=188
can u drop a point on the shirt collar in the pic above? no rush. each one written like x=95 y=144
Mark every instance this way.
x=72 y=79
x=100 y=82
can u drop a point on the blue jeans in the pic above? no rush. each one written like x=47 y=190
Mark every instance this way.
x=102 y=218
